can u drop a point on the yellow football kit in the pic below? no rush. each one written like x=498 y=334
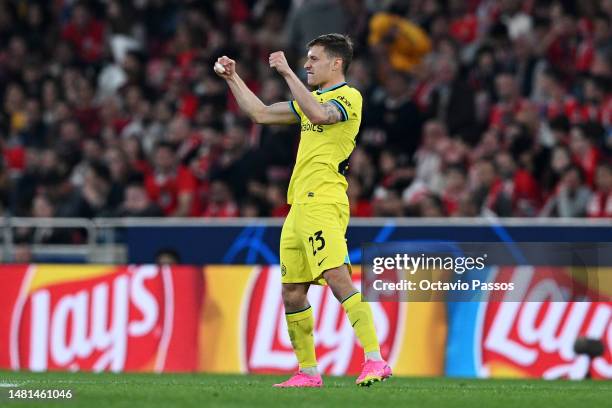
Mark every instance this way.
x=313 y=235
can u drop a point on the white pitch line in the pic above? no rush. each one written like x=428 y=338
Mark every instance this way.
x=8 y=385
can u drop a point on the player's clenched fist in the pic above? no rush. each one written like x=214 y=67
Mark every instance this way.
x=225 y=67
x=279 y=62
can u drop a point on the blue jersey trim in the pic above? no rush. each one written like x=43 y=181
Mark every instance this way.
x=294 y=111
x=342 y=110
x=331 y=88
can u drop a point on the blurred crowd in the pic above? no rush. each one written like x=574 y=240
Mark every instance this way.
x=471 y=107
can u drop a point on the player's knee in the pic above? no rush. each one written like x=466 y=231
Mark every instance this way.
x=294 y=297
x=340 y=282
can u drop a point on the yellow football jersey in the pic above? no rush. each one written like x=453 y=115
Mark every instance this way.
x=322 y=159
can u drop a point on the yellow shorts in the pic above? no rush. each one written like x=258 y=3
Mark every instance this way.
x=313 y=241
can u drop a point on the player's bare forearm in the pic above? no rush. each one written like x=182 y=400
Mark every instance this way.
x=317 y=113
x=275 y=114
x=278 y=113
x=247 y=100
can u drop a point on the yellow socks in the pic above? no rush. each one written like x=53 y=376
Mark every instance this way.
x=360 y=316
x=301 y=326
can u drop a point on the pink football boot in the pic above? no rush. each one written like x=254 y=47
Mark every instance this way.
x=302 y=380
x=373 y=371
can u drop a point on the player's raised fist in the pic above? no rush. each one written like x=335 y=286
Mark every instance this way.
x=225 y=67
x=279 y=62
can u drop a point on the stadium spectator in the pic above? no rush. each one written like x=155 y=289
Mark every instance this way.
x=452 y=100
x=431 y=206
x=276 y=145
x=136 y=202
x=395 y=175
x=270 y=36
x=454 y=190
x=596 y=100
x=600 y=205
x=583 y=139
x=557 y=101
x=560 y=160
x=250 y=208
x=237 y=164
x=167 y=256
x=85 y=33
x=571 y=197
x=98 y=196
x=481 y=78
x=221 y=204
x=171 y=185
x=275 y=195
x=92 y=149
x=362 y=167
x=510 y=102
x=329 y=16
x=396 y=115
x=397 y=39
x=360 y=205
x=524 y=86
x=42 y=207
x=428 y=162
x=519 y=184
x=488 y=190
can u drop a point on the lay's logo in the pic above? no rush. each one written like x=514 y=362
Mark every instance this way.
x=535 y=337
x=267 y=347
x=92 y=318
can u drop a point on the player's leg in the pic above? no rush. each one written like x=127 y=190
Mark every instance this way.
x=360 y=315
x=300 y=325
x=330 y=254
x=327 y=257
x=295 y=278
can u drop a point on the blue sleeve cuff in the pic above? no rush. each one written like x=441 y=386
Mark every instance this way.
x=294 y=111
x=341 y=108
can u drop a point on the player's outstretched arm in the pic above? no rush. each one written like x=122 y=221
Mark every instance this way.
x=277 y=113
x=317 y=113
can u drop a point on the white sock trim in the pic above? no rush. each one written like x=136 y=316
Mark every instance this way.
x=310 y=370
x=373 y=355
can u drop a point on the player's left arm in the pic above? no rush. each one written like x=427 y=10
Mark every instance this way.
x=318 y=113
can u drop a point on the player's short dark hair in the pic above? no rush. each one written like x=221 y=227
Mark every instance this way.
x=337 y=45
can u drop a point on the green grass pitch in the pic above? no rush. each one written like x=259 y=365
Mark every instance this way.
x=206 y=390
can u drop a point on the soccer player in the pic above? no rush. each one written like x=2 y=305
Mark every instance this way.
x=312 y=246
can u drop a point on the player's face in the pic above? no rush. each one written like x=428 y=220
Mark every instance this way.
x=319 y=66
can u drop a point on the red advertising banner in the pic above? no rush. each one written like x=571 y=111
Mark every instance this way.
x=243 y=308
x=99 y=318
x=535 y=338
x=531 y=336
